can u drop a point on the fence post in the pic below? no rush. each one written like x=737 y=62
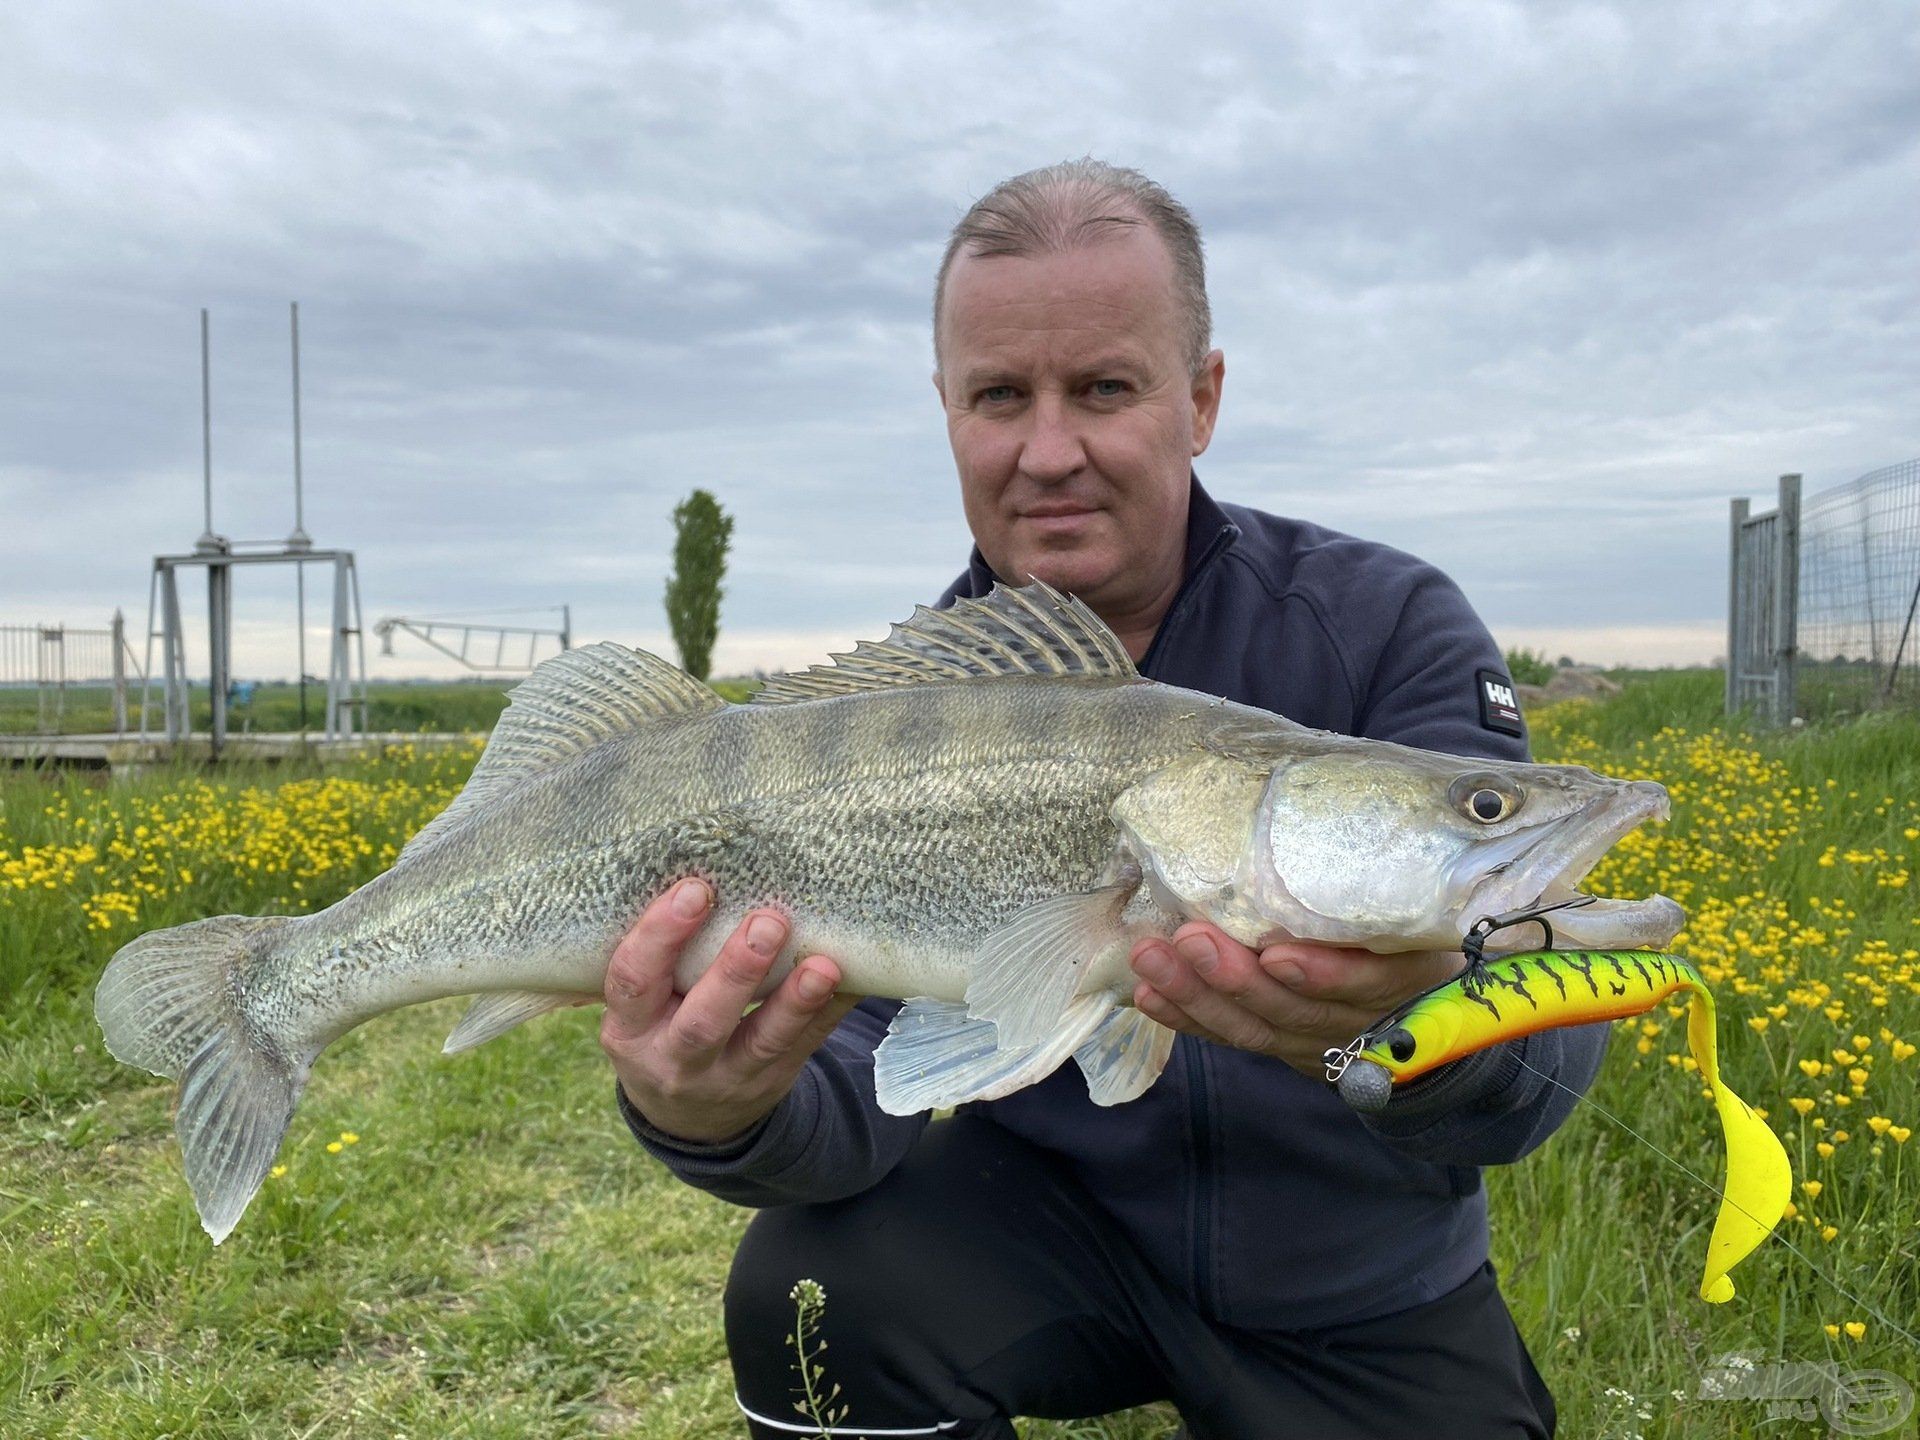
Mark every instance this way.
x=1786 y=601
x=119 y=643
x=1734 y=636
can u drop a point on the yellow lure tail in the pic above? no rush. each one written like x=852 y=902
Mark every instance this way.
x=1519 y=994
x=1759 y=1179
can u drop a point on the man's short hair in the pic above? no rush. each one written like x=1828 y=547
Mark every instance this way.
x=1080 y=202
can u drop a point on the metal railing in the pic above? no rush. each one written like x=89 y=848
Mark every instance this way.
x=63 y=666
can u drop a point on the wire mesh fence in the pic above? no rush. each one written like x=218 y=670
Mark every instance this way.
x=1823 y=604
x=1859 y=613
x=64 y=679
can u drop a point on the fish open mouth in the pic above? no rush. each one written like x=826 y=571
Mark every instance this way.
x=1550 y=870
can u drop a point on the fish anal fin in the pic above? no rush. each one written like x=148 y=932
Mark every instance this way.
x=1123 y=1058
x=498 y=1011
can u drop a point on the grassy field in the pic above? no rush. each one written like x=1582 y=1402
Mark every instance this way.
x=475 y=1247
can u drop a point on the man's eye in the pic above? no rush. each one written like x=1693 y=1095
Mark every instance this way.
x=1109 y=389
x=997 y=394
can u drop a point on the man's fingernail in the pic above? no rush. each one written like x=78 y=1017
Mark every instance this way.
x=813 y=985
x=1199 y=952
x=1288 y=973
x=690 y=899
x=1154 y=966
x=764 y=934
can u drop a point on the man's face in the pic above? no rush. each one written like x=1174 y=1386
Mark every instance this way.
x=1073 y=417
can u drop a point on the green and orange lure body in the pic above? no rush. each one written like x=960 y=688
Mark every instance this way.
x=1516 y=995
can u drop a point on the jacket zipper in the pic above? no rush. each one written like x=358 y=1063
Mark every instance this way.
x=1199 y=1105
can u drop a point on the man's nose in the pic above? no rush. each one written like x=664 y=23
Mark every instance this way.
x=1053 y=450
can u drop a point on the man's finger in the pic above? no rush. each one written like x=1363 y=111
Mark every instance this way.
x=640 y=972
x=1156 y=1007
x=1358 y=978
x=1175 y=976
x=793 y=1021
x=711 y=1011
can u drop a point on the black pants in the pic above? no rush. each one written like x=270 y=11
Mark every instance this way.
x=978 y=1281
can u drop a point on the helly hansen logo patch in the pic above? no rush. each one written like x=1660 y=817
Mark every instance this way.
x=1499 y=706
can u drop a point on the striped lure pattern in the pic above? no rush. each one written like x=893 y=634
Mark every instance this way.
x=1518 y=995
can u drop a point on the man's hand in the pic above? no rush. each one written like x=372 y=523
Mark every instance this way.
x=1293 y=1001
x=691 y=1064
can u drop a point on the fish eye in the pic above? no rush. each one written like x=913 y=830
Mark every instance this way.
x=1485 y=798
x=1400 y=1045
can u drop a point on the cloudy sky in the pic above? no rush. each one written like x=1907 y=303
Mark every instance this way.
x=1529 y=289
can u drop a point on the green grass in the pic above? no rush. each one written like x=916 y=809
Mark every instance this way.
x=494 y=1256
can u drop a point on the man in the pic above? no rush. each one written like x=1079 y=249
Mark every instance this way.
x=1235 y=1240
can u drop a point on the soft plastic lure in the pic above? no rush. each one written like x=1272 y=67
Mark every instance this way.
x=1495 y=1000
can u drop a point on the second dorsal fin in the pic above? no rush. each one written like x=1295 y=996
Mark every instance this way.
x=1034 y=630
x=571 y=703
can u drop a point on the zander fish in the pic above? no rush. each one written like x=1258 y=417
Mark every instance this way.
x=978 y=815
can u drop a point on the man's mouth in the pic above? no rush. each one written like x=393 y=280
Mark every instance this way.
x=1056 y=510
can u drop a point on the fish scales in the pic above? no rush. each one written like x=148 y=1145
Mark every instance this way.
x=822 y=810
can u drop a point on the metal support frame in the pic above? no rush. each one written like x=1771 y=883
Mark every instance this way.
x=347 y=666
x=464 y=633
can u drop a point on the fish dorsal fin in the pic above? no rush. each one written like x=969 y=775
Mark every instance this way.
x=1033 y=630
x=569 y=704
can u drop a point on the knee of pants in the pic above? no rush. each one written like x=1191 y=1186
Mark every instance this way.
x=784 y=1245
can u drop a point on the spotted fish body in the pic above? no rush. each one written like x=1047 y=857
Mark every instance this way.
x=978 y=816
x=1519 y=995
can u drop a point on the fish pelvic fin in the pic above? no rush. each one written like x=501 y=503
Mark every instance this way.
x=168 y=1004
x=497 y=1012
x=1027 y=972
x=571 y=703
x=936 y=1055
x=1123 y=1058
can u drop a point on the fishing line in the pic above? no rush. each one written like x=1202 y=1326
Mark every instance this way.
x=1773 y=1232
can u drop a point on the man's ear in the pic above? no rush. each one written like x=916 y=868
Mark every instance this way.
x=940 y=387
x=1206 y=398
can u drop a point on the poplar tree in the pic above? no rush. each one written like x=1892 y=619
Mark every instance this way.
x=701 y=534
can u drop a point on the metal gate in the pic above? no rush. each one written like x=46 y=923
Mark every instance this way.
x=1763 y=605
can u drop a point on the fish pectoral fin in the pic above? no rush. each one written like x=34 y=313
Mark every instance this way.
x=1124 y=1056
x=497 y=1012
x=1026 y=973
x=936 y=1055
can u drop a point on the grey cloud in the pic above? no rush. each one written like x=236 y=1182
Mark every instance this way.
x=1527 y=290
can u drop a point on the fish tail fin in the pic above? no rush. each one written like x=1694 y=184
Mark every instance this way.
x=168 y=1003
x=1759 y=1179
x=936 y=1055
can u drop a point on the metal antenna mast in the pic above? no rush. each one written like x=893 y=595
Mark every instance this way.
x=346 y=702
x=207 y=538
x=299 y=540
